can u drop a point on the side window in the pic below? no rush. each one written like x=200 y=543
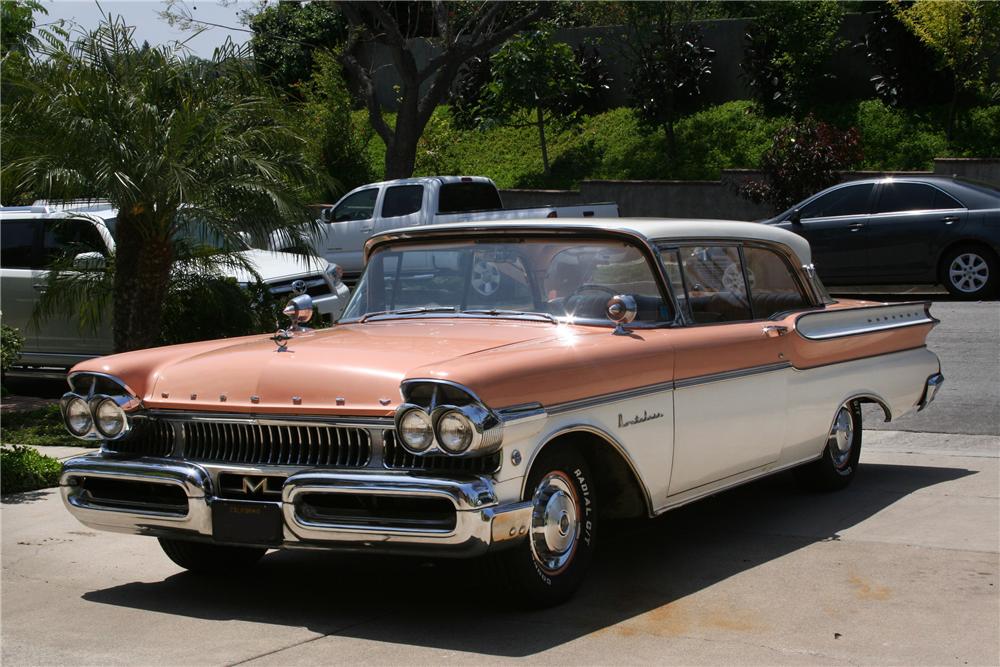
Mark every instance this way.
x=849 y=200
x=716 y=289
x=402 y=200
x=359 y=206
x=898 y=197
x=18 y=244
x=63 y=239
x=773 y=288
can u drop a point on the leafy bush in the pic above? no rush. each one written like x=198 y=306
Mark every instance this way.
x=978 y=132
x=897 y=140
x=11 y=342
x=733 y=135
x=24 y=469
x=804 y=158
x=43 y=426
x=788 y=46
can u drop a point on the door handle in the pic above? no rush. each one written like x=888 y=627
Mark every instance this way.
x=774 y=331
x=950 y=219
x=41 y=287
x=855 y=226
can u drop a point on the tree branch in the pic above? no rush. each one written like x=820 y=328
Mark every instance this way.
x=365 y=86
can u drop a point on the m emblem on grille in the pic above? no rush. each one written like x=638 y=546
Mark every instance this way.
x=298 y=287
x=254 y=485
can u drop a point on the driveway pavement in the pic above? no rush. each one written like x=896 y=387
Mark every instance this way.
x=900 y=568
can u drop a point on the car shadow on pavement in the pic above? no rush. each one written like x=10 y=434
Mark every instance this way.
x=641 y=566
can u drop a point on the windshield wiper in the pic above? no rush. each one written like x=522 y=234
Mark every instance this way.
x=511 y=313
x=409 y=311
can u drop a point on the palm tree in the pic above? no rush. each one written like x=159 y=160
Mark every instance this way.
x=154 y=132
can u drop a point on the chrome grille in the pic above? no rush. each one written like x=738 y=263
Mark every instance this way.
x=148 y=437
x=397 y=457
x=262 y=444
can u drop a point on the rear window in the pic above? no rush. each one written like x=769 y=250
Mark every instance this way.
x=460 y=197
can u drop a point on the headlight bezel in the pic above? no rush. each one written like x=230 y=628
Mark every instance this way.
x=421 y=414
x=93 y=390
x=485 y=427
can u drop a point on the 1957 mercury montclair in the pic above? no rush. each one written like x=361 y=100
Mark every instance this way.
x=500 y=389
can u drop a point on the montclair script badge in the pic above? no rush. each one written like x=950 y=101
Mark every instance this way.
x=638 y=419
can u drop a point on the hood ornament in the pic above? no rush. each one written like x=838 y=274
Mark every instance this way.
x=299 y=310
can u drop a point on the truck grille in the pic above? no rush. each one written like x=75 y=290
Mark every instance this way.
x=315 y=286
x=397 y=457
x=308 y=445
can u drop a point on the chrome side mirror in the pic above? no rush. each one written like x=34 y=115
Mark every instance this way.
x=622 y=309
x=299 y=310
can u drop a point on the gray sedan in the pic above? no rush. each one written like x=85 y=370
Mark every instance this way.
x=912 y=230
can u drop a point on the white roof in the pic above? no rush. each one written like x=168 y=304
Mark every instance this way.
x=652 y=229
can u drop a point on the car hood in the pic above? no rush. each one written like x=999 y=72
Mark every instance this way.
x=351 y=369
x=275 y=266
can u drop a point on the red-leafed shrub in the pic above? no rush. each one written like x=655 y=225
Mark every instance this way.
x=804 y=158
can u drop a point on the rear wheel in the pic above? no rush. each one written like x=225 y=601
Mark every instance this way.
x=970 y=272
x=839 y=463
x=548 y=567
x=210 y=558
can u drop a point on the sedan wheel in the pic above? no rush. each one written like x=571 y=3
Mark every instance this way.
x=970 y=272
x=837 y=466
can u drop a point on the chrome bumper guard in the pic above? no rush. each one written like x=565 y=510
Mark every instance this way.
x=481 y=522
x=931 y=389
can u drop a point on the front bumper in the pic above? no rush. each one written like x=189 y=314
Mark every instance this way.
x=163 y=498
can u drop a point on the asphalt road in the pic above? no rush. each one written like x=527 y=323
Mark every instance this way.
x=901 y=568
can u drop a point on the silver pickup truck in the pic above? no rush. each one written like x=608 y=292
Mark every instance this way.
x=409 y=202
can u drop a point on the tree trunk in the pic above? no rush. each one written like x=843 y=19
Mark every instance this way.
x=143 y=259
x=401 y=152
x=668 y=128
x=541 y=139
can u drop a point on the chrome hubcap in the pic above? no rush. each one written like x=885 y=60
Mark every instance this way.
x=969 y=272
x=555 y=523
x=842 y=437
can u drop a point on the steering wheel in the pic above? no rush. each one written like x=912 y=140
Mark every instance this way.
x=591 y=286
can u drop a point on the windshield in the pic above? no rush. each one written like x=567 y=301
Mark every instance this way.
x=571 y=280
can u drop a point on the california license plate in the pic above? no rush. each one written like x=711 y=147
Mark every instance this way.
x=247 y=522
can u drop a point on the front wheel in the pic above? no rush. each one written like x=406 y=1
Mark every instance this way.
x=839 y=463
x=548 y=567
x=210 y=558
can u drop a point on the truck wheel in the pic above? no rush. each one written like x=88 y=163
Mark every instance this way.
x=548 y=567
x=970 y=272
x=839 y=463
x=210 y=558
x=485 y=277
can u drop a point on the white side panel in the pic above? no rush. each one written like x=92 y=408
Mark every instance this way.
x=727 y=427
x=643 y=427
x=897 y=380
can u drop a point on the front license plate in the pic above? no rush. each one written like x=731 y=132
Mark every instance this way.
x=245 y=522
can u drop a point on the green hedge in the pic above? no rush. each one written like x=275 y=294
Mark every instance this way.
x=614 y=145
x=24 y=469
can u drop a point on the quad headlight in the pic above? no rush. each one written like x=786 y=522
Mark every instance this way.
x=77 y=416
x=415 y=430
x=466 y=430
x=98 y=407
x=109 y=418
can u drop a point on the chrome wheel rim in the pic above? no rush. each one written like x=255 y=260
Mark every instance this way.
x=841 y=440
x=555 y=522
x=969 y=272
x=485 y=277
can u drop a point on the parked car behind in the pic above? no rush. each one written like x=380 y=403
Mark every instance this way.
x=912 y=230
x=379 y=207
x=620 y=368
x=34 y=236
